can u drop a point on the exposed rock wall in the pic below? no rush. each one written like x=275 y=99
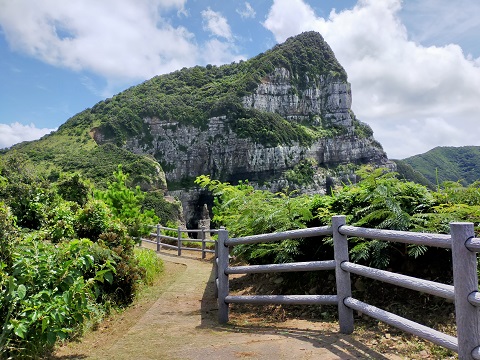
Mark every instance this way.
x=324 y=96
x=186 y=152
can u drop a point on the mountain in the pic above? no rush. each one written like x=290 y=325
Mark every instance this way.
x=448 y=164
x=281 y=120
x=407 y=172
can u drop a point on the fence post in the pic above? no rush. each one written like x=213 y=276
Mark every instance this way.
x=465 y=281
x=223 y=254
x=159 y=247
x=344 y=288
x=179 y=241
x=215 y=267
x=203 y=242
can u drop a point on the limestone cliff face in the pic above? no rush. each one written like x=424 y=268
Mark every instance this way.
x=187 y=151
x=227 y=122
x=326 y=96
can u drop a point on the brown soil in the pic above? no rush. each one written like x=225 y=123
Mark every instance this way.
x=177 y=320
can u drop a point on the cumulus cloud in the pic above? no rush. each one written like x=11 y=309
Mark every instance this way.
x=248 y=12
x=413 y=95
x=118 y=39
x=217 y=24
x=218 y=52
x=16 y=133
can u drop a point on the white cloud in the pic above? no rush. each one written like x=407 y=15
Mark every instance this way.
x=248 y=12
x=217 y=24
x=218 y=52
x=415 y=97
x=118 y=39
x=16 y=133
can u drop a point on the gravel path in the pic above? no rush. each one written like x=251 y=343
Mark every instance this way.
x=181 y=324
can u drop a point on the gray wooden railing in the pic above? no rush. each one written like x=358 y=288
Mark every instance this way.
x=180 y=240
x=464 y=293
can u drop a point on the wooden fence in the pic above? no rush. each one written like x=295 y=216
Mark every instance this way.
x=160 y=236
x=464 y=293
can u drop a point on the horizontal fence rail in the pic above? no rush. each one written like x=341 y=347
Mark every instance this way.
x=283 y=299
x=180 y=240
x=290 y=267
x=437 y=240
x=401 y=323
x=408 y=282
x=464 y=293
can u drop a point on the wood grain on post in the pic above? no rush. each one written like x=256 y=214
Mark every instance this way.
x=465 y=281
x=179 y=241
x=159 y=247
x=203 y=242
x=344 y=288
x=223 y=286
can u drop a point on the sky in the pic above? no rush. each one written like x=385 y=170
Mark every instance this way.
x=414 y=65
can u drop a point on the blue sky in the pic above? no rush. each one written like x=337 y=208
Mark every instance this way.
x=414 y=65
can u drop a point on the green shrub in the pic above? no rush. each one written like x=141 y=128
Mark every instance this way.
x=93 y=219
x=150 y=262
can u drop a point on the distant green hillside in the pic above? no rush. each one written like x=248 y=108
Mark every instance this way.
x=407 y=172
x=448 y=164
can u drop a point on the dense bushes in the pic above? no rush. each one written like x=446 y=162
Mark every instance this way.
x=66 y=256
x=379 y=200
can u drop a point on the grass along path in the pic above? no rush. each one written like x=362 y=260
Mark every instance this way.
x=177 y=320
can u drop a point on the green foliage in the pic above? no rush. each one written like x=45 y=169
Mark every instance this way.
x=247 y=211
x=166 y=211
x=125 y=204
x=51 y=283
x=407 y=172
x=150 y=262
x=448 y=164
x=380 y=200
x=48 y=294
x=270 y=129
x=94 y=219
x=7 y=236
x=72 y=187
x=302 y=173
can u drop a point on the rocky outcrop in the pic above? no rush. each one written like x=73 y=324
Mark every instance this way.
x=326 y=98
x=186 y=151
x=297 y=86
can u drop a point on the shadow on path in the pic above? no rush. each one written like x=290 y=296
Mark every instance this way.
x=340 y=345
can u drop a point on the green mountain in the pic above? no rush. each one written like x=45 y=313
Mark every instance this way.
x=448 y=164
x=264 y=119
x=407 y=172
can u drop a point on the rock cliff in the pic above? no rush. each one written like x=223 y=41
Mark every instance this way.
x=272 y=113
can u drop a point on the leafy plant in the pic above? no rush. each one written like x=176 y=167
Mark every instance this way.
x=126 y=205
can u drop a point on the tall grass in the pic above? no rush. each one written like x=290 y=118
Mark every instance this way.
x=150 y=262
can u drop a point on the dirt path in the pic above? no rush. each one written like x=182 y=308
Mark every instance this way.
x=181 y=324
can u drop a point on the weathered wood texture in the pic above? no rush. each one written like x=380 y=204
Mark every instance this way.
x=291 y=234
x=437 y=240
x=284 y=299
x=290 y=267
x=473 y=244
x=344 y=287
x=464 y=292
x=465 y=281
x=223 y=286
x=409 y=282
x=401 y=323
